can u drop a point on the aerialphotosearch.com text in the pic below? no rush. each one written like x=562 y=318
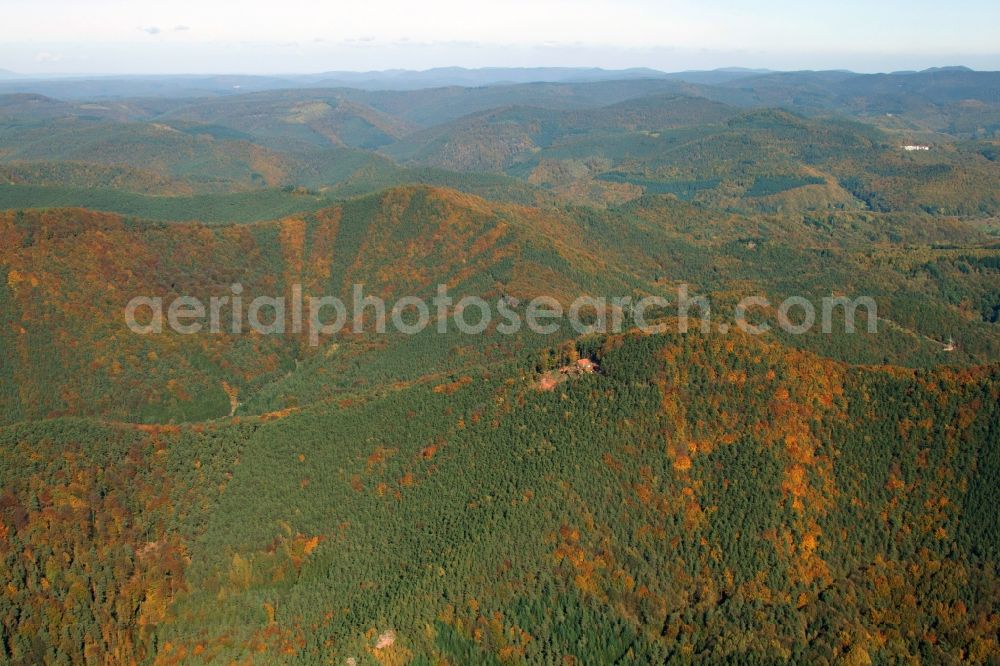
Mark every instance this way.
x=319 y=317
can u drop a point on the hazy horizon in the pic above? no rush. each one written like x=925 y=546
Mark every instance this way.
x=58 y=37
x=444 y=68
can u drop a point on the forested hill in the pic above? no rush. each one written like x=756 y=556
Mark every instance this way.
x=69 y=274
x=698 y=499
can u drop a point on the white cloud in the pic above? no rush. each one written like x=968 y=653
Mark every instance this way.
x=45 y=56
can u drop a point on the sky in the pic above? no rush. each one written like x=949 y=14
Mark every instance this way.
x=295 y=36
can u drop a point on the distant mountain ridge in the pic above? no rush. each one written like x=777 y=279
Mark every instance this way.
x=461 y=76
x=189 y=85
